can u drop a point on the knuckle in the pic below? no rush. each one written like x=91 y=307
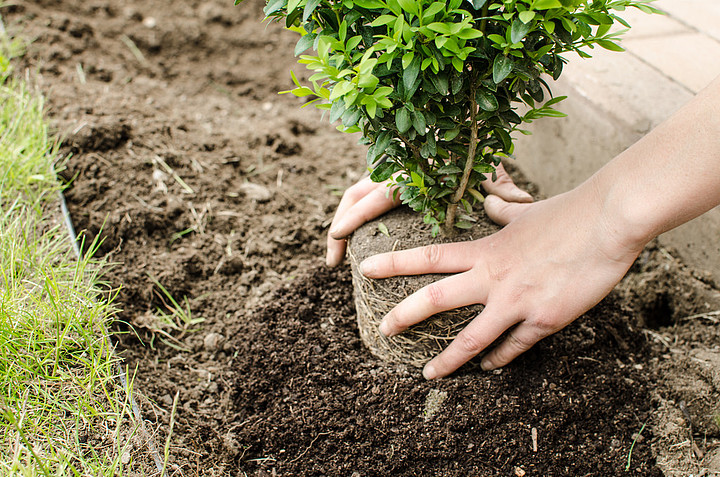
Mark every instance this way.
x=397 y=321
x=469 y=343
x=503 y=179
x=518 y=344
x=432 y=254
x=433 y=294
x=393 y=263
x=544 y=323
x=354 y=192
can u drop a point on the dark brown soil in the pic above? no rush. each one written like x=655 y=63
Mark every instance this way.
x=180 y=154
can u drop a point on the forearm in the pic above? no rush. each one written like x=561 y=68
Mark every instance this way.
x=667 y=178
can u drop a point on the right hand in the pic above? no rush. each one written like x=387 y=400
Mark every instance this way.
x=367 y=200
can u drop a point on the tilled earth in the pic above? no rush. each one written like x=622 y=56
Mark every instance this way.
x=199 y=177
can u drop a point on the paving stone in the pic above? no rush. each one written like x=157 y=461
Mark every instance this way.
x=702 y=15
x=615 y=98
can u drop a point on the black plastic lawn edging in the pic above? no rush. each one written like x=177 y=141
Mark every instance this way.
x=122 y=376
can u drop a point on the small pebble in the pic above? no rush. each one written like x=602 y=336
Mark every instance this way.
x=167 y=400
x=213 y=341
x=255 y=192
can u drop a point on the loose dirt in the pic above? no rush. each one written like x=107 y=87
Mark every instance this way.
x=198 y=176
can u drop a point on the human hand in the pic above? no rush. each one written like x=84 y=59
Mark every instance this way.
x=367 y=200
x=553 y=260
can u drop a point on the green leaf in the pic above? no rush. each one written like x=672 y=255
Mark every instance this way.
x=433 y=9
x=449 y=169
x=486 y=100
x=497 y=39
x=469 y=34
x=609 y=45
x=549 y=26
x=439 y=27
x=546 y=4
x=369 y=4
x=502 y=67
x=418 y=122
x=527 y=16
x=383 y=171
x=302 y=92
x=273 y=6
x=463 y=224
x=337 y=110
x=417 y=180
x=410 y=73
x=292 y=5
x=451 y=134
x=305 y=42
x=341 y=89
x=518 y=30
x=409 y=6
x=368 y=81
x=382 y=143
x=370 y=106
x=504 y=138
x=555 y=100
x=383 y=229
x=483 y=168
x=351 y=117
x=310 y=7
x=383 y=20
x=440 y=82
x=457 y=64
x=402 y=120
x=407 y=59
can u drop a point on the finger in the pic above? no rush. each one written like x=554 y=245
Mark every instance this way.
x=519 y=340
x=335 y=252
x=336 y=248
x=502 y=212
x=371 y=206
x=444 y=258
x=474 y=338
x=503 y=186
x=446 y=294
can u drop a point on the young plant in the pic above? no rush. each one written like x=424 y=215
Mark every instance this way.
x=438 y=87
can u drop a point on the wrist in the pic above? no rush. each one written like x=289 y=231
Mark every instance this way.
x=623 y=218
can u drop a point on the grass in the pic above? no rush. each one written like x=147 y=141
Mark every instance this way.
x=62 y=411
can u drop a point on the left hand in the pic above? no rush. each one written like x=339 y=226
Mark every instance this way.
x=367 y=200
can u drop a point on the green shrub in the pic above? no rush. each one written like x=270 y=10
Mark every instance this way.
x=436 y=87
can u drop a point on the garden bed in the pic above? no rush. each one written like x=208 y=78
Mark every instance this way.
x=201 y=178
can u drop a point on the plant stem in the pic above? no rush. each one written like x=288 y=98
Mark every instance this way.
x=449 y=226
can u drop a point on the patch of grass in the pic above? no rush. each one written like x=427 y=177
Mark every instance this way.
x=61 y=408
x=173 y=320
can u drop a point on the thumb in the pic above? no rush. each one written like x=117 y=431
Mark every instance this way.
x=502 y=212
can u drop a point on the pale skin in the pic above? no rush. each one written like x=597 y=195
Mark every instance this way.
x=556 y=258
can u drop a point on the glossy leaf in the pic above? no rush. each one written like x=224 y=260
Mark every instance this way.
x=403 y=122
x=502 y=67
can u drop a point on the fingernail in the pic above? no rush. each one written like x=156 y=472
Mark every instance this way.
x=367 y=266
x=522 y=196
x=384 y=328
x=429 y=371
x=334 y=231
x=486 y=365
